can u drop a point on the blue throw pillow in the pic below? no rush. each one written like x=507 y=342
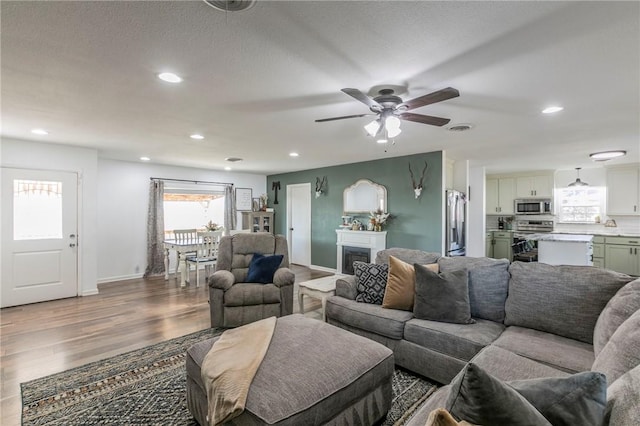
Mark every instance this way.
x=262 y=268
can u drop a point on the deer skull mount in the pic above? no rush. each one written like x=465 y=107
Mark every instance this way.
x=321 y=186
x=417 y=188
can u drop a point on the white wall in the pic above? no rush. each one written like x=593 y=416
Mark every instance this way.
x=123 y=201
x=84 y=161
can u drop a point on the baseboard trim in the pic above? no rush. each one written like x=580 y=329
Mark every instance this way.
x=323 y=268
x=91 y=292
x=119 y=278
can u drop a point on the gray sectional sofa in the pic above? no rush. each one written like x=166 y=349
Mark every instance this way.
x=532 y=320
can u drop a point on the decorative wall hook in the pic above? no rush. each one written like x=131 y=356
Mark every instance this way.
x=417 y=188
x=321 y=186
x=275 y=186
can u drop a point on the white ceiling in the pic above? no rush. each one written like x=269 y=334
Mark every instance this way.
x=255 y=81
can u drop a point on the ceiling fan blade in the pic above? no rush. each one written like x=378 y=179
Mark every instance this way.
x=341 y=118
x=424 y=119
x=431 y=98
x=356 y=94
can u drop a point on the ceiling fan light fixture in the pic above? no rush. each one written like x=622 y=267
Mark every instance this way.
x=607 y=155
x=373 y=128
x=578 y=182
x=392 y=133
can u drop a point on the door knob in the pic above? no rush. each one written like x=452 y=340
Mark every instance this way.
x=72 y=235
x=72 y=245
x=290 y=229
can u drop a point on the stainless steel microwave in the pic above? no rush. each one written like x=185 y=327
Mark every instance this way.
x=533 y=206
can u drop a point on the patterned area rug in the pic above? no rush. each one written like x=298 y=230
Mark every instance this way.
x=147 y=387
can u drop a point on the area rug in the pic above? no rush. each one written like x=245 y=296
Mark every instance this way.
x=147 y=387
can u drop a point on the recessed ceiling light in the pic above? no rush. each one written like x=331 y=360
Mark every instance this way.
x=39 y=132
x=552 y=109
x=196 y=136
x=227 y=168
x=145 y=159
x=463 y=127
x=607 y=155
x=169 y=77
x=293 y=154
x=233 y=159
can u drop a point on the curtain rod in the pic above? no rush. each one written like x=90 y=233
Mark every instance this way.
x=192 y=181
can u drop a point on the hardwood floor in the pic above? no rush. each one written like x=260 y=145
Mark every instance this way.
x=45 y=338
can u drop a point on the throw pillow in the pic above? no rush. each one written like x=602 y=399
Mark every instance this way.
x=622 y=352
x=441 y=417
x=371 y=280
x=401 y=283
x=480 y=398
x=262 y=268
x=621 y=306
x=442 y=297
x=623 y=400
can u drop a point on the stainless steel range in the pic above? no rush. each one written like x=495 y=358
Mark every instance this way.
x=526 y=250
x=525 y=227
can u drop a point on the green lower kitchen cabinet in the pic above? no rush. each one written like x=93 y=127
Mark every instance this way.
x=622 y=254
x=488 y=244
x=502 y=242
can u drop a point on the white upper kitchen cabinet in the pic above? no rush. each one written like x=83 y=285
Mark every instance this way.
x=623 y=191
x=500 y=196
x=534 y=186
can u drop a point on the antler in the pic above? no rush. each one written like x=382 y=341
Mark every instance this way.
x=423 y=172
x=318 y=184
x=323 y=184
x=413 y=180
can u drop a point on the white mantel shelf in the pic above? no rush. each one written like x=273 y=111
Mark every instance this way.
x=374 y=241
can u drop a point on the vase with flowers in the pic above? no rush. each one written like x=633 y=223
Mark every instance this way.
x=378 y=218
x=212 y=226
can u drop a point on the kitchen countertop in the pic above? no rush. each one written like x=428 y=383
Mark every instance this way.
x=612 y=233
x=563 y=238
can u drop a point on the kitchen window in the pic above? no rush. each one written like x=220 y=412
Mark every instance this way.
x=582 y=204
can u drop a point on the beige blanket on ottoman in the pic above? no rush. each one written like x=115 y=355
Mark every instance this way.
x=230 y=366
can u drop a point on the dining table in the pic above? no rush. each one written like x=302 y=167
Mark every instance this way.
x=181 y=248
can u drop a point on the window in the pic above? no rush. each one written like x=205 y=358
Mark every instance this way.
x=37 y=210
x=192 y=207
x=582 y=204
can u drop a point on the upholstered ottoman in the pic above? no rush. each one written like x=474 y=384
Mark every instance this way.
x=313 y=373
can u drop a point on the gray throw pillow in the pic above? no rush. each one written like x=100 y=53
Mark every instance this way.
x=623 y=400
x=622 y=352
x=482 y=399
x=621 y=306
x=371 y=280
x=442 y=297
x=579 y=399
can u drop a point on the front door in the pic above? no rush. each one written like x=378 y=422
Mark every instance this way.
x=299 y=223
x=39 y=236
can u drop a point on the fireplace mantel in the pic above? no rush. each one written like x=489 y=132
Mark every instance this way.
x=374 y=241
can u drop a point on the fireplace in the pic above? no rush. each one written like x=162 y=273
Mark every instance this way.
x=353 y=254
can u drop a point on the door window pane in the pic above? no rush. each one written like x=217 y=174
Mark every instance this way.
x=37 y=210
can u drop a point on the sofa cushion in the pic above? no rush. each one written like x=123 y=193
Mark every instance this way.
x=621 y=306
x=442 y=297
x=623 y=400
x=244 y=294
x=369 y=317
x=622 y=352
x=410 y=256
x=371 y=280
x=480 y=398
x=506 y=365
x=564 y=300
x=262 y=268
x=488 y=283
x=461 y=341
x=401 y=284
x=559 y=352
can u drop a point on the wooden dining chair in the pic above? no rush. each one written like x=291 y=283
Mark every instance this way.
x=185 y=236
x=206 y=254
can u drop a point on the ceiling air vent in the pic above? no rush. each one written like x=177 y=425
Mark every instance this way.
x=233 y=159
x=231 y=5
x=460 y=127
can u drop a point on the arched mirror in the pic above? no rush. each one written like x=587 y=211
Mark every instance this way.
x=364 y=196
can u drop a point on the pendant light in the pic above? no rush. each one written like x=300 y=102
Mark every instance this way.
x=578 y=182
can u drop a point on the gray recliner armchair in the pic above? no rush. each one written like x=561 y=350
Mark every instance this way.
x=232 y=301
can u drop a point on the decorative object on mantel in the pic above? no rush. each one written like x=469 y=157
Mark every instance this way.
x=263 y=202
x=275 y=186
x=378 y=218
x=321 y=186
x=417 y=188
x=346 y=222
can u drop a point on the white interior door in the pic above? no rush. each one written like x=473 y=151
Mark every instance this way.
x=39 y=236
x=299 y=223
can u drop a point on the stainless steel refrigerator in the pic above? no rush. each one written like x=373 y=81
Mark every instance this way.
x=455 y=223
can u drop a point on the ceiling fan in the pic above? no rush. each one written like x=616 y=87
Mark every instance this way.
x=391 y=109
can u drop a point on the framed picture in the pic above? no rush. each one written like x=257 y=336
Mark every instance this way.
x=255 y=204
x=243 y=199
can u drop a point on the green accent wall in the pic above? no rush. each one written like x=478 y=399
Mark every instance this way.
x=415 y=224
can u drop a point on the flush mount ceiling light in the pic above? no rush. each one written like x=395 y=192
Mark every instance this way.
x=196 y=136
x=227 y=168
x=231 y=5
x=578 y=182
x=169 y=77
x=41 y=132
x=552 y=109
x=293 y=154
x=607 y=155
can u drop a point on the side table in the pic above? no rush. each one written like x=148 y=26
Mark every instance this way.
x=320 y=288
